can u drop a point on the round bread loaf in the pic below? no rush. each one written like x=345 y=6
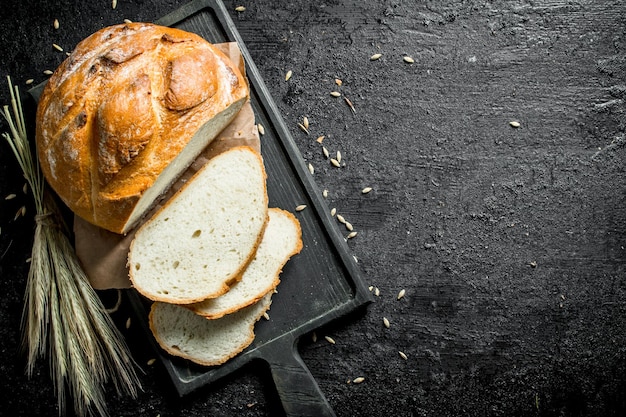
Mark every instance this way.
x=126 y=113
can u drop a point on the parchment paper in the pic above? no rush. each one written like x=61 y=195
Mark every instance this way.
x=104 y=254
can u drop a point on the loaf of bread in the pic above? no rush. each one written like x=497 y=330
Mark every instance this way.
x=282 y=239
x=202 y=239
x=126 y=113
x=182 y=333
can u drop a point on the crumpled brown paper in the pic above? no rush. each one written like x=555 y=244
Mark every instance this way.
x=104 y=254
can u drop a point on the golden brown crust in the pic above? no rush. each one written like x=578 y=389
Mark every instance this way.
x=121 y=107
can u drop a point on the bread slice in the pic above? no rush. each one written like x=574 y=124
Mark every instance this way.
x=281 y=240
x=203 y=238
x=181 y=332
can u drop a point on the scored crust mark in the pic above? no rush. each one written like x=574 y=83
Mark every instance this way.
x=120 y=136
x=180 y=93
x=171 y=39
x=120 y=55
x=62 y=152
x=232 y=78
x=80 y=120
x=94 y=70
x=91 y=48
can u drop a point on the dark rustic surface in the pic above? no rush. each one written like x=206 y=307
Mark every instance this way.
x=510 y=242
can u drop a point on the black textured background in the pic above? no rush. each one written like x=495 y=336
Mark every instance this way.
x=510 y=243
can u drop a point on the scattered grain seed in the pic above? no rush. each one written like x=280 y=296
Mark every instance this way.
x=301 y=207
x=325 y=193
x=349 y=103
x=266 y=316
x=401 y=293
x=128 y=21
x=338 y=156
x=20 y=212
x=10 y=197
x=366 y=190
x=151 y=362
x=303 y=128
x=386 y=322
x=288 y=75
x=305 y=122
x=371 y=288
x=408 y=59
x=261 y=129
x=55 y=24
x=402 y=355
x=338 y=82
x=25 y=188
x=375 y=57
x=325 y=151
x=329 y=340
x=341 y=219
x=358 y=380
x=128 y=323
x=47 y=72
x=311 y=169
x=57 y=47
x=240 y=9
x=67 y=53
x=333 y=211
x=349 y=226
x=335 y=93
x=377 y=292
x=515 y=124
x=113 y=4
x=351 y=235
x=335 y=162
x=355 y=258
x=320 y=139
x=314 y=337
x=29 y=81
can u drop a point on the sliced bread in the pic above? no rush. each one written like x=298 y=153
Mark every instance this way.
x=181 y=332
x=281 y=240
x=203 y=238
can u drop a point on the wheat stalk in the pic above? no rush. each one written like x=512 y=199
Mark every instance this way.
x=62 y=313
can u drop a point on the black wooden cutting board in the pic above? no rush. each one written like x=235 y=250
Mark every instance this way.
x=318 y=285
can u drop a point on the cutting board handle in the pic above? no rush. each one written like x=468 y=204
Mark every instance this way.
x=299 y=393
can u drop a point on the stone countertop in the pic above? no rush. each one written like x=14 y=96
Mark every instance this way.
x=509 y=242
